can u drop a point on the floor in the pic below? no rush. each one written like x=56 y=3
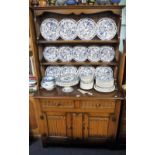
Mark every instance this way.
x=37 y=149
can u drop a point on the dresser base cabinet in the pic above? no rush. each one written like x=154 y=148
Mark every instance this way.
x=83 y=121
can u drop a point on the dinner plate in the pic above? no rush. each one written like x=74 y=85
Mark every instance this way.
x=51 y=54
x=107 y=53
x=68 y=82
x=49 y=29
x=104 y=73
x=86 y=29
x=106 y=29
x=93 y=53
x=69 y=71
x=68 y=29
x=86 y=86
x=86 y=73
x=101 y=83
x=65 y=53
x=80 y=53
x=104 y=90
x=53 y=71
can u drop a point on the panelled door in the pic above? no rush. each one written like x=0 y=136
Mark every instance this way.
x=58 y=124
x=99 y=125
x=79 y=125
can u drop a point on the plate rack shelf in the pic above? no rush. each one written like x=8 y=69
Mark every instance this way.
x=74 y=117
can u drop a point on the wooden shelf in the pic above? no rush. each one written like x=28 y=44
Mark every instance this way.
x=57 y=93
x=78 y=42
x=79 y=7
x=44 y=63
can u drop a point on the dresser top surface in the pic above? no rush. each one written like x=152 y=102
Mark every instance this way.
x=57 y=93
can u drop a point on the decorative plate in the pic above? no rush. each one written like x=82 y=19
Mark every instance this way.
x=106 y=29
x=107 y=53
x=68 y=71
x=101 y=83
x=68 y=29
x=67 y=89
x=93 y=53
x=80 y=53
x=86 y=86
x=68 y=82
x=65 y=53
x=86 y=73
x=104 y=73
x=50 y=29
x=104 y=90
x=50 y=53
x=53 y=71
x=86 y=29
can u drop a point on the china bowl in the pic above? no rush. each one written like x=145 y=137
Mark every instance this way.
x=48 y=83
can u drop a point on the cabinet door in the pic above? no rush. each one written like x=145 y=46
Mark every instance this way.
x=77 y=125
x=97 y=126
x=58 y=124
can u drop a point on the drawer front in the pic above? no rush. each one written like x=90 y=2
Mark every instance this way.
x=98 y=104
x=48 y=103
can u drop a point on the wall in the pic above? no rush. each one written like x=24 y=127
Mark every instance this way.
x=123 y=27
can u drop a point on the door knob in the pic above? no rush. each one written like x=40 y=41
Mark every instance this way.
x=42 y=117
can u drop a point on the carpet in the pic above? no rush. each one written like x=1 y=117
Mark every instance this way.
x=36 y=148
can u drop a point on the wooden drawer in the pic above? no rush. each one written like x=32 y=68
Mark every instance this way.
x=48 y=103
x=97 y=104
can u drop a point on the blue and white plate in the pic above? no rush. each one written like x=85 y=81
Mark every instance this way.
x=68 y=29
x=51 y=54
x=80 y=53
x=86 y=29
x=53 y=71
x=65 y=53
x=69 y=71
x=107 y=53
x=93 y=53
x=68 y=76
x=86 y=73
x=106 y=29
x=49 y=29
x=104 y=73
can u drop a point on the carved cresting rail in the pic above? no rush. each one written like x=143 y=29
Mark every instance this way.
x=77 y=10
